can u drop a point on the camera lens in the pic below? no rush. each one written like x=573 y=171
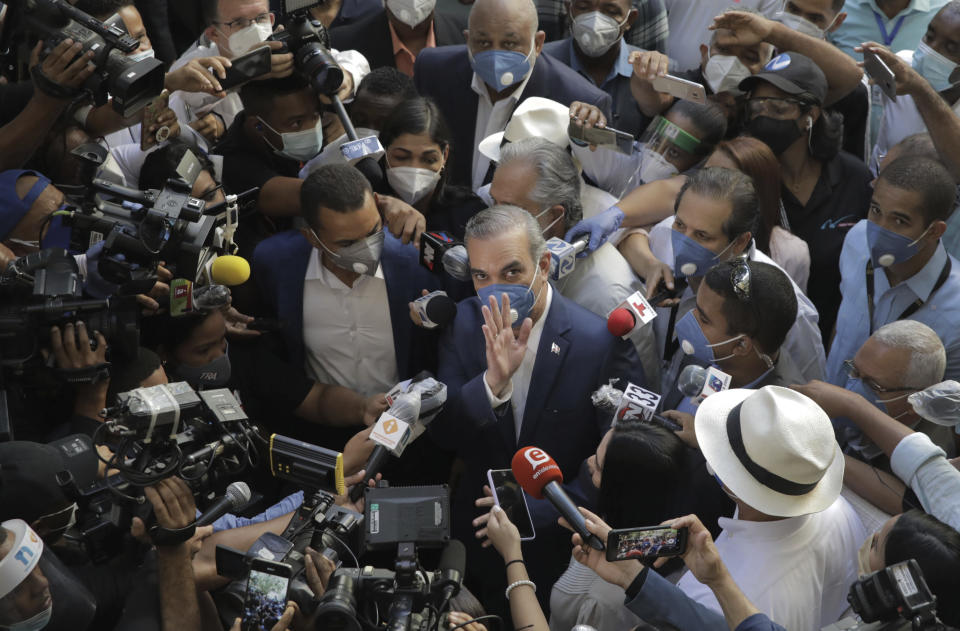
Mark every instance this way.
x=321 y=69
x=337 y=610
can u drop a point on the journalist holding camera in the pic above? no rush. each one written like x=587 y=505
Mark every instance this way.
x=263 y=369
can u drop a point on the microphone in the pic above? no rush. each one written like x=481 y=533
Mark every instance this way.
x=229 y=270
x=563 y=255
x=453 y=563
x=237 y=494
x=436 y=309
x=630 y=315
x=540 y=476
x=698 y=382
x=441 y=253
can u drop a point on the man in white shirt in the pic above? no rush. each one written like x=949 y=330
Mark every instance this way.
x=689 y=20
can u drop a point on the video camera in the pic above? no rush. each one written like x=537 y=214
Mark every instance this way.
x=131 y=84
x=44 y=289
x=309 y=42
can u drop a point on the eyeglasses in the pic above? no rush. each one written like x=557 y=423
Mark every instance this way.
x=854 y=373
x=241 y=23
x=740 y=278
x=775 y=107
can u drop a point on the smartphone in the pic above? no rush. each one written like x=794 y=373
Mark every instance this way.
x=150 y=113
x=645 y=544
x=680 y=88
x=266 y=594
x=247 y=66
x=880 y=73
x=509 y=496
x=602 y=137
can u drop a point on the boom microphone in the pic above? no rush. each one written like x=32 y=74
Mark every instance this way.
x=540 y=476
x=237 y=494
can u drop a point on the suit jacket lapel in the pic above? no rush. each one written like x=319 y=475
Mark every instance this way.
x=397 y=278
x=290 y=297
x=550 y=356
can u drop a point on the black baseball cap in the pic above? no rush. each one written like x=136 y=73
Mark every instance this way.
x=793 y=73
x=29 y=488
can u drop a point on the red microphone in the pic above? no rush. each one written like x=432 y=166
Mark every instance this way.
x=620 y=322
x=540 y=476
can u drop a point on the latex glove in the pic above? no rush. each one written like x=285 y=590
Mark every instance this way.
x=599 y=227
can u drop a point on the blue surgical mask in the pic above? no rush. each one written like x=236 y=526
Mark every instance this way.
x=888 y=247
x=34 y=623
x=522 y=298
x=856 y=385
x=690 y=258
x=694 y=342
x=298 y=145
x=933 y=67
x=501 y=69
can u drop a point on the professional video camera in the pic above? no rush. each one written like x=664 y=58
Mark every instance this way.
x=895 y=598
x=131 y=84
x=309 y=42
x=44 y=289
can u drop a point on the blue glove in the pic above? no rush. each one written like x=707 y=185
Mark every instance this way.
x=599 y=227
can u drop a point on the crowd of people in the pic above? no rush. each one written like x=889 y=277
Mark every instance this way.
x=773 y=182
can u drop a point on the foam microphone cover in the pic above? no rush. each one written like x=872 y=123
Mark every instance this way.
x=620 y=322
x=230 y=270
x=441 y=310
x=534 y=469
x=453 y=557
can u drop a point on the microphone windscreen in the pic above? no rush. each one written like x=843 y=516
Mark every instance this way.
x=441 y=310
x=620 y=322
x=453 y=557
x=238 y=493
x=691 y=380
x=534 y=469
x=457 y=263
x=229 y=270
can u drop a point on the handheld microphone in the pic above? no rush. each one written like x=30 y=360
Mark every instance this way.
x=237 y=494
x=441 y=253
x=229 y=270
x=540 y=476
x=630 y=315
x=563 y=255
x=698 y=382
x=436 y=309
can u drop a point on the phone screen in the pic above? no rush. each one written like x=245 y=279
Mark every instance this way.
x=266 y=600
x=510 y=498
x=644 y=543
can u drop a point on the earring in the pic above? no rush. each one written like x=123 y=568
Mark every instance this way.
x=809 y=123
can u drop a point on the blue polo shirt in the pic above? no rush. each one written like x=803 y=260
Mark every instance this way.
x=867 y=23
x=941 y=312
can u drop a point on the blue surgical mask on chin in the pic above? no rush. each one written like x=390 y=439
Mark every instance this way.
x=888 y=247
x=501 y=69
x=522 y=298
x=694 y=342
x=856 y=385
x=690 y=258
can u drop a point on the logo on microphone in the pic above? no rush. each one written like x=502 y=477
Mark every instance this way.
x=536 y=457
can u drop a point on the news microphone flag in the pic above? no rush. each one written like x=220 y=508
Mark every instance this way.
x=636 y=404
x=630 y=314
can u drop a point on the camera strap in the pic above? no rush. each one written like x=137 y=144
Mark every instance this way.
x=49 y=87
x=165 y=537
x=89 y=375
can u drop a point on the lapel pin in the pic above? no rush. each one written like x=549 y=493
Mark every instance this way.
x=555 y=349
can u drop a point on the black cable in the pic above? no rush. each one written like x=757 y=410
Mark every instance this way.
x=478 y=619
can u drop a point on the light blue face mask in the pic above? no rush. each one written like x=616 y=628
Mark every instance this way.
x=690 y=258
x=522 y=298
x=694 y=342
x=33 y=623
x=888 y=247
x=933 y=67
x=501 y=69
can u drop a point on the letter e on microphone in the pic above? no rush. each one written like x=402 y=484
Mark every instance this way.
x=536 y=457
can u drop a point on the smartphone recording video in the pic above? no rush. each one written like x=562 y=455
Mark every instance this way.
x=509 y=496
x=645 y=544
x=266 y=595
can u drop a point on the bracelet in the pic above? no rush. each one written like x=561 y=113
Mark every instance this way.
x=510 y=587
x=509 y=563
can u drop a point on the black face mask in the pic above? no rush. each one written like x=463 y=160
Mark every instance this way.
x=775 y=133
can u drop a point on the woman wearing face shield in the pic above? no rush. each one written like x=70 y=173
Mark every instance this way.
x=418 y=149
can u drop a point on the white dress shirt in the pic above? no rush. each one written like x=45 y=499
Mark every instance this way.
x=491 y=118
x=797 y=571
x=519 y=386
x=347 y=331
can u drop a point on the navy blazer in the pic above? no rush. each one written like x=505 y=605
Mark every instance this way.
x=444 y=74
x=371 y=36
x=280 y=264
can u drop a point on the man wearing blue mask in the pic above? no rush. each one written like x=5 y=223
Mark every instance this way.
x=893 y=266
x=478 y=86
x=520 y=362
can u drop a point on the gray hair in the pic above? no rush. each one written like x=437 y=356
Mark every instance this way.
x=558 y=179
x=928 y=358
x=502 y=218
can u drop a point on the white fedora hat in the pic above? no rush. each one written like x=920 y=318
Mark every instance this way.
x=774 y=448
x=536 y=117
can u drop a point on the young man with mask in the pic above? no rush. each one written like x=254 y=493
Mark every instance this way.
x=524 y=380
x=894 y=267
x=597 y=51
x=395 y=35
x=478 y=86
x=896 y=24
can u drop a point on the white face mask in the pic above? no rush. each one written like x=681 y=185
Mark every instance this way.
x=33 y=623
x=141 y=55
x=551 y=224
x=802 y=25
x=412 y=184
x=724 y=73
x=246 y=38
x=411 y=12
x=653 y=166
x=596 y=33
x=298 y=145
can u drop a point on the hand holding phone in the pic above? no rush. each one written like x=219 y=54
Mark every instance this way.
x=680 y=88
x=508 y=495
x=601 y=137
x=646 y=544
x=266 y=594
x=880 y=73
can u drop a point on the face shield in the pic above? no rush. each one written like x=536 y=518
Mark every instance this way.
x=667 y=150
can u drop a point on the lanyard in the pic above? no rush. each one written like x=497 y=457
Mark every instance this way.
x=888 y=37
x=916 y=304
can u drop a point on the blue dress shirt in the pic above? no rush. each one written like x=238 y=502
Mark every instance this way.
x=867 y=23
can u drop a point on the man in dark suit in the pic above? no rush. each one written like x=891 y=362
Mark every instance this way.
x=478 y=86
x=525 y=384
x=395 y=35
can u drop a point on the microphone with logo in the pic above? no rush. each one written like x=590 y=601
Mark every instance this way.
x=698 y=382
x=436 y=309
x=563 y=255
x=540 y=476
x=632 y=314
x=442 y=254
